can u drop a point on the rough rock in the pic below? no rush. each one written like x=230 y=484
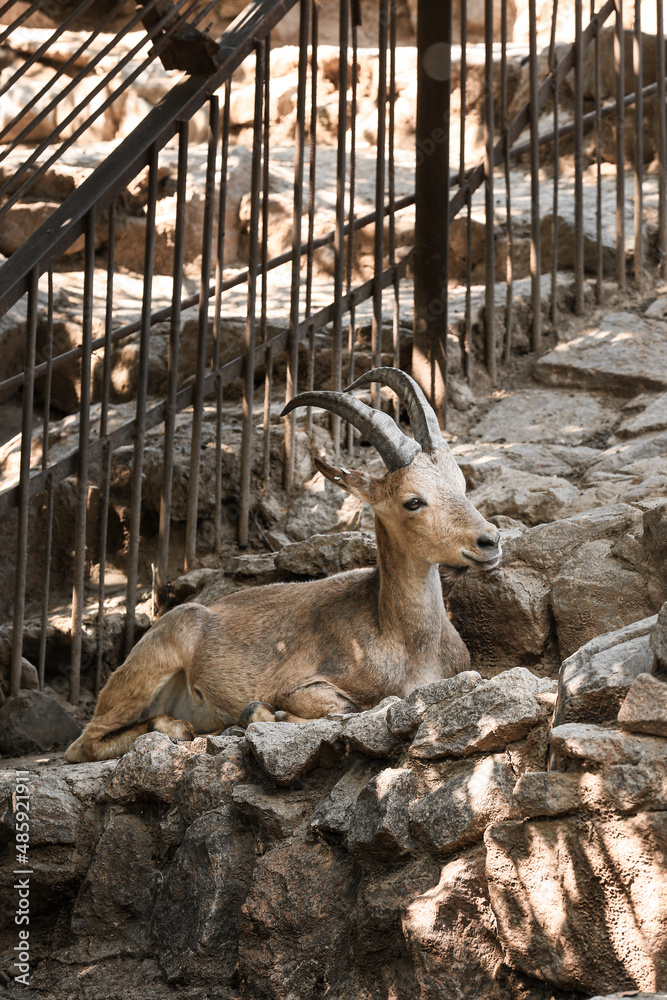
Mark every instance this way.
x=55 y=813
x=116 y=897
x=502 y=615
x=276 y=815
x=529 y=498
x=593 y=681
x=151 y=769
x=595 y=593
x=547 y=546
x=653 y=418
x=209 y=880
x=531 y=415
x=481 y=460
x=32 y=721
x=645 y=707
x=471 y=796
x=285 y=751
x=658 y=639
x=597 y=745
x=321 y=555
x=451 y=934
x=291 y=942
x=549 y=918
x=334 y=812
x=623 y=355
x=404 y=716
x=368 y=733
x=379 y=826
x=493 y=714
x=623 y=788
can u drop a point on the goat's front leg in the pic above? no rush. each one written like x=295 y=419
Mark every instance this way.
x=313 y=700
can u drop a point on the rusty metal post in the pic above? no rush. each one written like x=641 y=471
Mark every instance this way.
x=431 y=264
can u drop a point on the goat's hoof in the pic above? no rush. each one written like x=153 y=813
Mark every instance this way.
x=282 y=716
x=75 y=753
x=177 y=729
x=256 y=711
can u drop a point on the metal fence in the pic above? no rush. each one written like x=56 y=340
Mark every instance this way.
x=446 y=188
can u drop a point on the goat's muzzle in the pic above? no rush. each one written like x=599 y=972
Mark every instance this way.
x=487 y=551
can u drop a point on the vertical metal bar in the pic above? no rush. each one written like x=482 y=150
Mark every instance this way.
x=620 y=148
x=339 y=247
x=172 y=363
x=553 y=67
x=509 y=269
x=106 y=452
x=535 y=254
x=249 y=360
x=638 y=72
x=217 y=345
x=312 y=172
x=202 y=341
x=41 y=658
x=489 y=298
x=78 y=589
x=378 y=243
x=578 y=160
x=142 y=392
x=598 y=144
x=431 y=258
x=662 y=139
x=292 y=379
x=396 y=347
x=467 y=322
x=264 y=257
x=24 y=485
x=355 y=22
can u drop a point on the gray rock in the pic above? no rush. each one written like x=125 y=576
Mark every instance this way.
x=658 y=639
x=622 y=788
x=285 y=751
x=655 y=533
x=151 y=769
x=54 y=813
x=197 y=914
x=622 y=355
x=502 y=614
x=207 y=780
x=597 y=745
x=630 y=457
x=115 y=900
x=321 y=555
x=451 y=934
x=457 y=813
x=528 y=497
x=258 y=567
x=367 y=732
x=493 y=714
x=30 y=721
x=379 y=826
x=404 y=716
x=595 y=593
x=334 y=812
x=653 y=418
x=645 y=707
x=276 y=815
x=546 y=793
x=531 y=415
x=611 y=866
x=547 y=546
x=593 y=682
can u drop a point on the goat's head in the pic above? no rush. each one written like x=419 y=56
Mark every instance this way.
x=421 y=501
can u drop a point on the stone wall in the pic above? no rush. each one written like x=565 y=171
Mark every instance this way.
x=421 y=849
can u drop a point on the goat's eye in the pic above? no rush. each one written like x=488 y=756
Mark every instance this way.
x=414 y=504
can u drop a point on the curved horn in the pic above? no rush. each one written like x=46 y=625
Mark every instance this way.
x=396 y=448
x=423 y=420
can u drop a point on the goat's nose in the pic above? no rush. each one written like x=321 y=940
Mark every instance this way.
x=488 y=540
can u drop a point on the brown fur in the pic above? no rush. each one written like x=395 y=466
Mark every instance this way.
x=310 y=649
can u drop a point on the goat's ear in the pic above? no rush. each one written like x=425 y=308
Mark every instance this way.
x=357 y=483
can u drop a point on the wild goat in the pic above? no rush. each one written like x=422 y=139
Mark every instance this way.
x=299 y=651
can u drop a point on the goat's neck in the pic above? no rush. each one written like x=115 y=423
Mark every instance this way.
x=410 y=594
